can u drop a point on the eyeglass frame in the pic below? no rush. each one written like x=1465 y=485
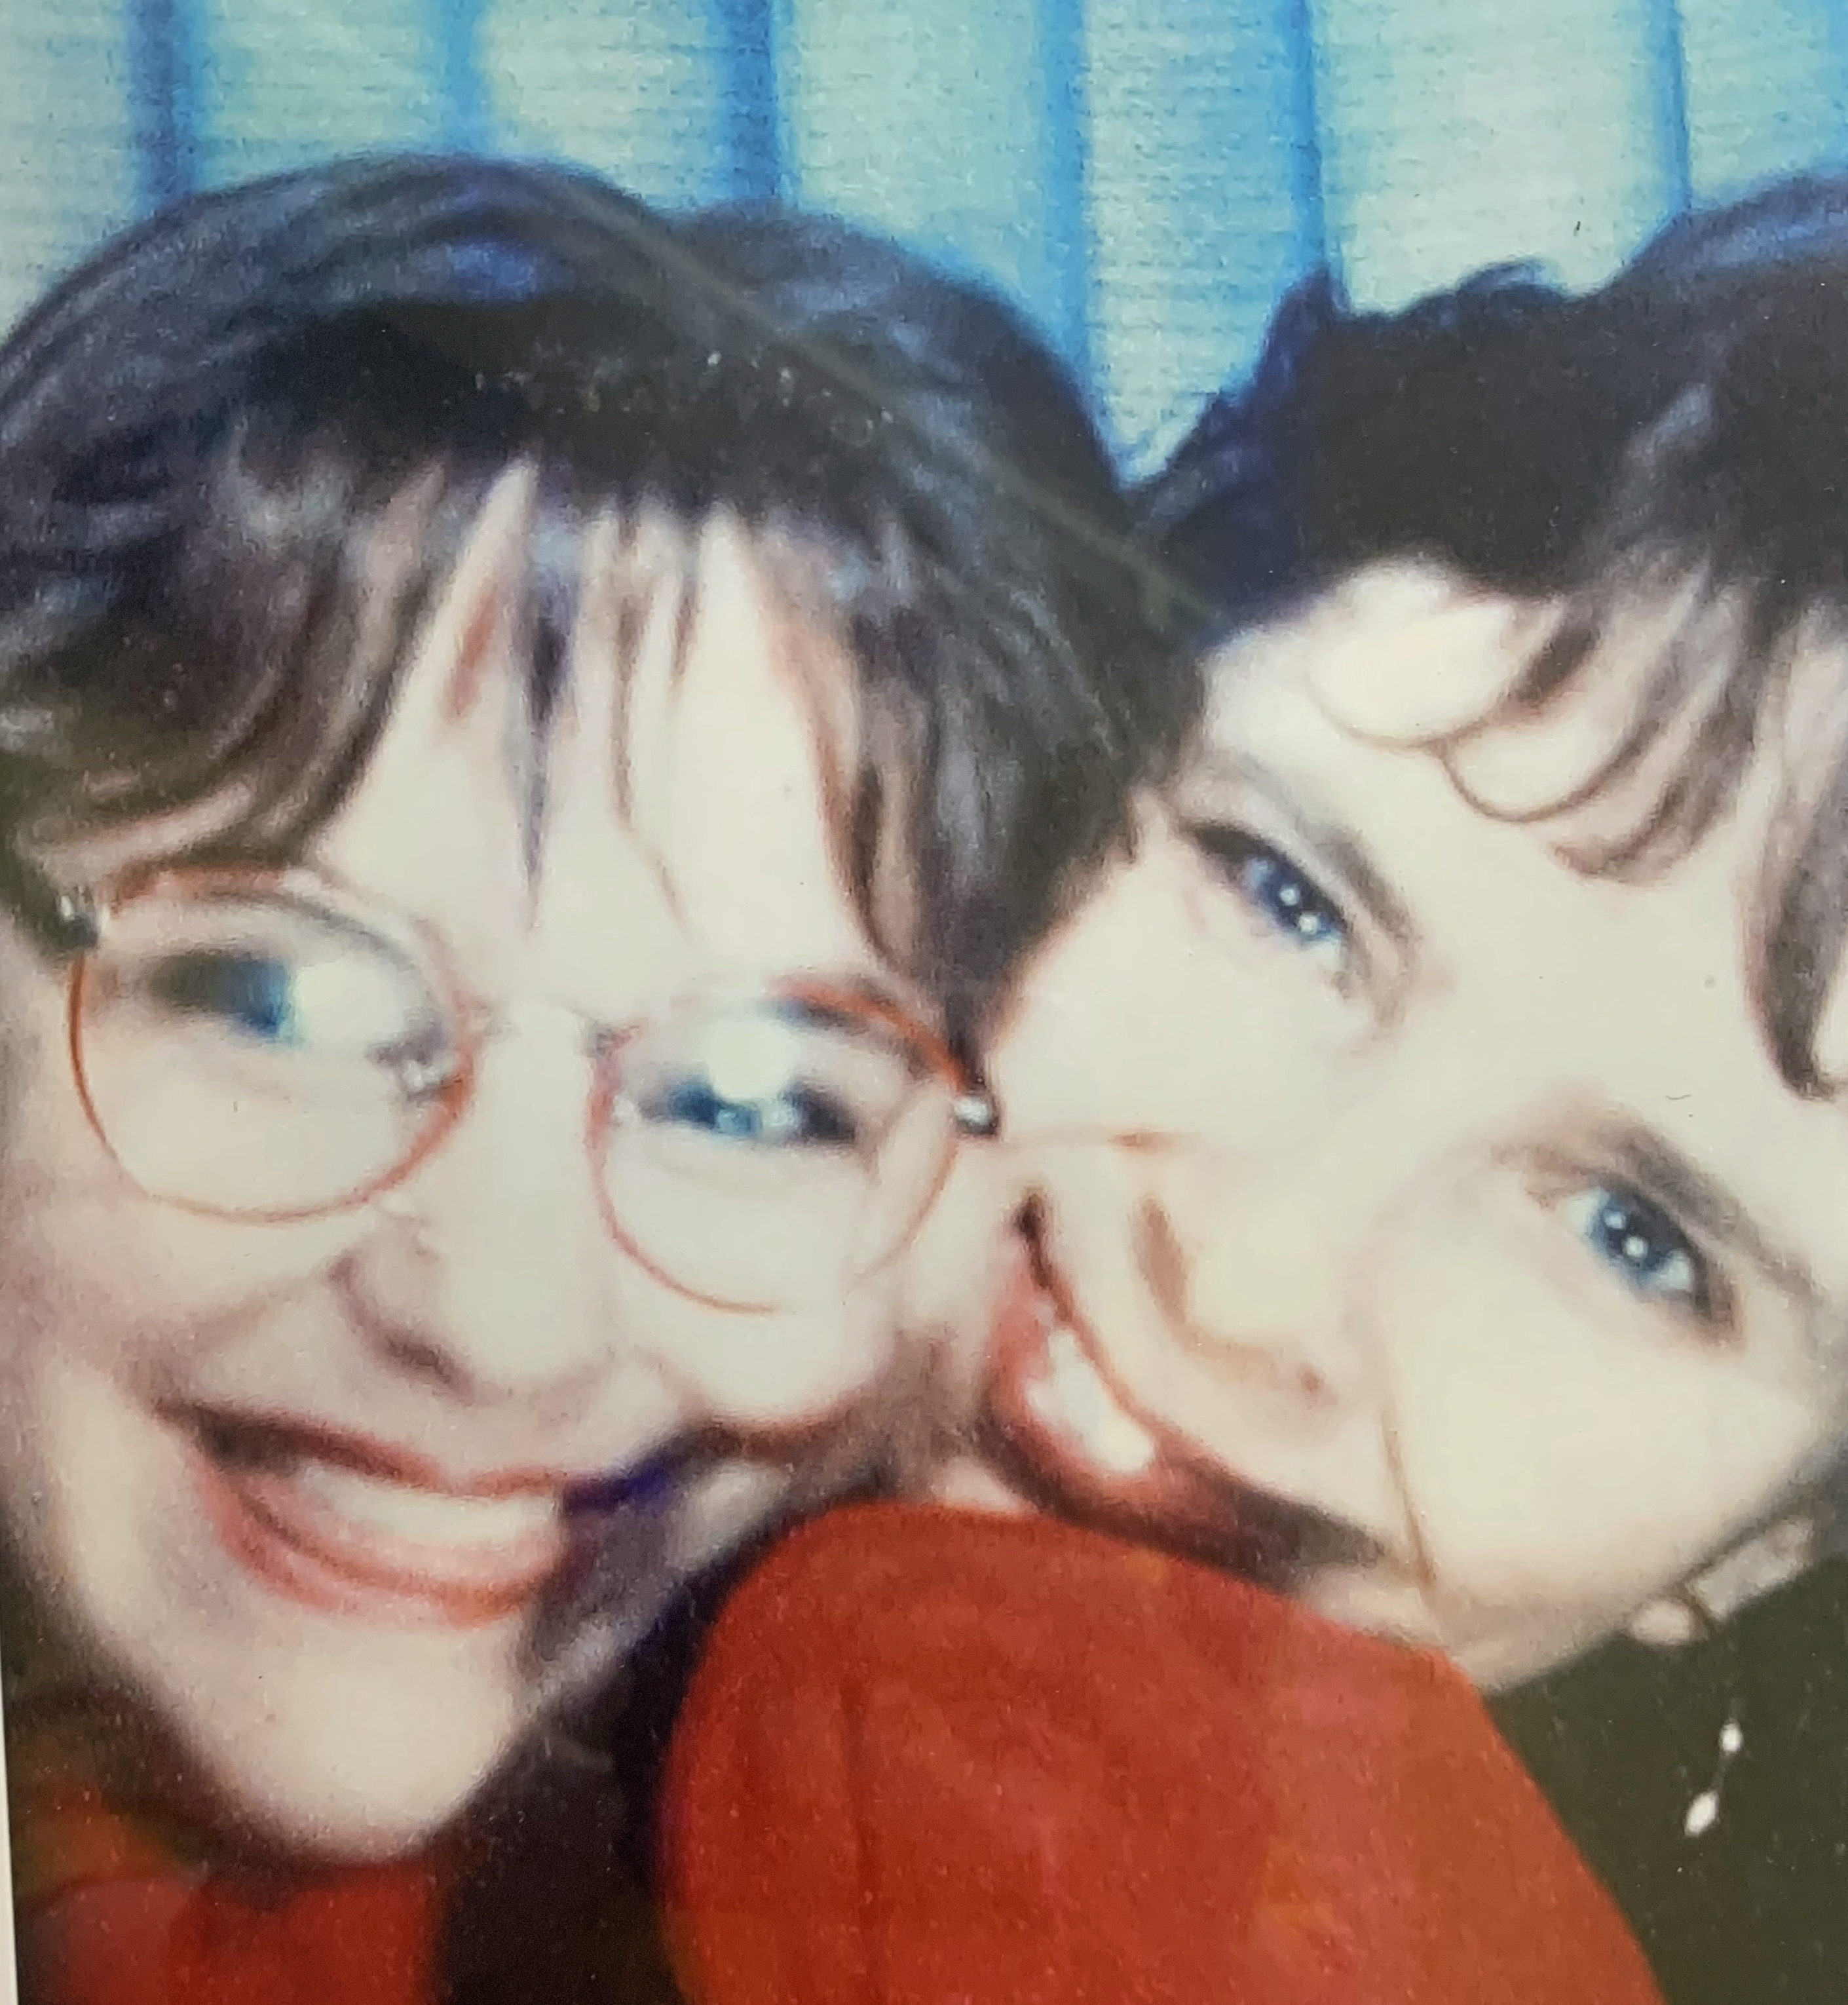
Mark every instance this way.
x=77 y=919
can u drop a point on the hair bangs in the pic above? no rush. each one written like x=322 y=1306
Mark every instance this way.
x=240 y=694
x=1661 y=675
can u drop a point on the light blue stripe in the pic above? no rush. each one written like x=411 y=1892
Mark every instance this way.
x=463 y=117
x=1455 y=135
x=1204 y=195
x=1662 y=31
x=1070 y=244
x=1767 y=89
x=1303 y=124
x=936 y=124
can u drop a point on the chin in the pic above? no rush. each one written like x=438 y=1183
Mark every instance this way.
x=316 y=1817
x=1497 y=1657
x=308 y=1790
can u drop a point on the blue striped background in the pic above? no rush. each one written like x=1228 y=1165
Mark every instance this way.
x=1145 y=174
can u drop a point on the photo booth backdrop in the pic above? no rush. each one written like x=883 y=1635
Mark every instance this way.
x=1146 y=174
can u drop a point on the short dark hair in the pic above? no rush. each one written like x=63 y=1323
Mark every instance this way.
x=1681 y=435
x=201 y=430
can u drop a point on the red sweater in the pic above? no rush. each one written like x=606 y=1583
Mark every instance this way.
x=933 y=1757
x=118 y=1905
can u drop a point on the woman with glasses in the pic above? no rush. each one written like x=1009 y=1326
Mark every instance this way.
x=529 y=737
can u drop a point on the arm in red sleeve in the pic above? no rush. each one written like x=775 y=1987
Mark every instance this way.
x=935 y=1757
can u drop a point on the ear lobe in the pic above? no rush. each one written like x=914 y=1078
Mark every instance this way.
x=1669 y=1622
x=1768 y=1559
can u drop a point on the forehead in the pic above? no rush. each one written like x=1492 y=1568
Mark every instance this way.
x=1599 y=719
x=677 y=790
x=1403 y=651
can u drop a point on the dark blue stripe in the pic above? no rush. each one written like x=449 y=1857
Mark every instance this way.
x=162 y=102
x=457 y=28
x=1305 y=138
x=753 y=130
x=1070 y=238
x=1667 y=58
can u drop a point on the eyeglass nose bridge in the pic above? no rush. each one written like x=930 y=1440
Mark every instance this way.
x=542 y=1019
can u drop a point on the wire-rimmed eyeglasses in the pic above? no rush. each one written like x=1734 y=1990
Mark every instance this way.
x=268 y=1046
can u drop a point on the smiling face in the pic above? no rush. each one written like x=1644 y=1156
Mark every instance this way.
x=305 y=1489
x=1419 y=1220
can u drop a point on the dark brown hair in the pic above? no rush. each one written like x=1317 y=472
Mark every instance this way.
x=1676 y=443
x=204 y=432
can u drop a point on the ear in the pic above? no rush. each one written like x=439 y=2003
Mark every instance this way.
x=1767 y=1559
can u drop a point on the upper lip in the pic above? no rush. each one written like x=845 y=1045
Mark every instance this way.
x=257 y=1431
x=500 y=1538
x=1186 y=1500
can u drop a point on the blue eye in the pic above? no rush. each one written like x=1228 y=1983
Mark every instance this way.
x=247 y=993
x=1286 y=900
x=356 y=1005
x=790 y=1119
x=1290 y=901
x=1645 y=1247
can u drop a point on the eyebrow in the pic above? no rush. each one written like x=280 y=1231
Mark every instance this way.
x=1327 y=840
x=1660 y=1172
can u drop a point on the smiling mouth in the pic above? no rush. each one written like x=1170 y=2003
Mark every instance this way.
x=346 y=1526
x=1067 y=1436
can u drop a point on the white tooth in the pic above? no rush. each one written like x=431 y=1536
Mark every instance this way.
x=1074 y=1398
x=424 y=1516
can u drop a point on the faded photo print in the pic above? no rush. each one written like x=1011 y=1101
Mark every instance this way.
x=923 y=1029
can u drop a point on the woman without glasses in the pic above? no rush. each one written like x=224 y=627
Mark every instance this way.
x=527 y=735
x=1464 y=1258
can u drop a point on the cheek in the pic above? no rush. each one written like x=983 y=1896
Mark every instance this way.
x=964 y=1255
x=94 y=1271
x=1145 y=1020
x=91 y=1269
x=1075 y=1054
x=1556 y=1458
x=789 y=1370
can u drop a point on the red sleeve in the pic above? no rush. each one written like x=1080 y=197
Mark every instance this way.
x=365 y=1936
x=936 y=1757
x=115 y=1905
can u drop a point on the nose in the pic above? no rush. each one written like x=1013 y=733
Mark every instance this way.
x=1256 y=1268
x=489 y=1266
